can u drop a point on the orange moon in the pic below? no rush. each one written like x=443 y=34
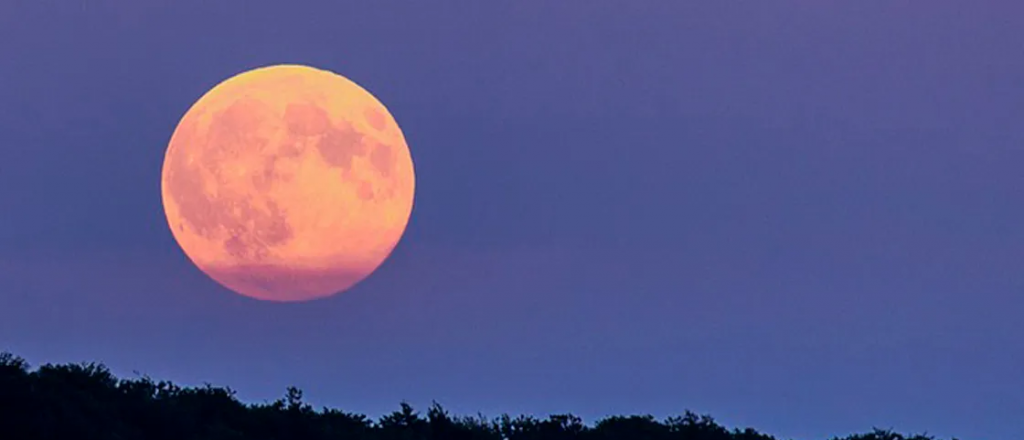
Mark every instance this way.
x=287 y=183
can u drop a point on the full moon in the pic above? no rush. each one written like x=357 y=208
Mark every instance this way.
x=287 y=183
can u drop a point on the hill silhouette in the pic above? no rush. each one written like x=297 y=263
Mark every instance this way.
x=86 y=402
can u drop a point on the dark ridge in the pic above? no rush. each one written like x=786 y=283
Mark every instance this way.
x=85 y=401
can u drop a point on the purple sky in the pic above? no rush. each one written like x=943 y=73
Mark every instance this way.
x=800 y=216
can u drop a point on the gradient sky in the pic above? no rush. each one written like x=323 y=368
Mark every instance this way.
x=800 y=216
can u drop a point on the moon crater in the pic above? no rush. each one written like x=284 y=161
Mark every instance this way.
x=339 y=145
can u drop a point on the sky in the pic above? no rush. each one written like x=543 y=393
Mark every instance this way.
x=799 y=216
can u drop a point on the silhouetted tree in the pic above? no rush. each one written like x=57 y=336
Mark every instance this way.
x=638 y=426
x=884 y=434
x=86 y=402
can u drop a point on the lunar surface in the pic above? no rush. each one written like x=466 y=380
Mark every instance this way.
x=288 y=183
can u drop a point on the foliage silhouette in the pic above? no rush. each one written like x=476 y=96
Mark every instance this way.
x=86 y=402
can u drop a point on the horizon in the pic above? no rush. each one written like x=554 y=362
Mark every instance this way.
x=293 y=398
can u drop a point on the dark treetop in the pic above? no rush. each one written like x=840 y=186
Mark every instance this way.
x=85 y=401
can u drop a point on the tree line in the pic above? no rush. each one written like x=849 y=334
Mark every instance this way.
x=85 y=402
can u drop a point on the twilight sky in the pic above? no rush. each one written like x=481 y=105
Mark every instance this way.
x=800 y=216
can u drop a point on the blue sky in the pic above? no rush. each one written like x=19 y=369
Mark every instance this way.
x=802 y=217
